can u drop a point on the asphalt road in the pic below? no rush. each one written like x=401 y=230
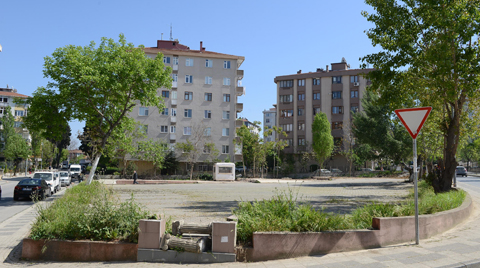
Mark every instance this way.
x=8 y=207
x=472 y=180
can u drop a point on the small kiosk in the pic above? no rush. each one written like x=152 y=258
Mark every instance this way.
x=224 y=172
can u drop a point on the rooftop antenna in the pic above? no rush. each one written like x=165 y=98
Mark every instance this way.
x=171 y=37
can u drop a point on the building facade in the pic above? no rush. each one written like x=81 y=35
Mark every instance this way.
x=269 y=121
x=7 y=99
x=336 y=92
x=204 y=95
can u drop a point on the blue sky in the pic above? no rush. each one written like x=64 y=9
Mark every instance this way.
x=275 y=37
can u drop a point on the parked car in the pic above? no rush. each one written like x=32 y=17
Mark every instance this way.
x=461 y=171
x=49 y=178
x=325 y=172
x=336 y=171
x=240 y=169
x=76 y=172
x=0 y=192
x=367 y=170
x=31 y=188
x=65 y=179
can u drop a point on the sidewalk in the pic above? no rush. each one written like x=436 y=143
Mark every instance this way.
x=459 y=247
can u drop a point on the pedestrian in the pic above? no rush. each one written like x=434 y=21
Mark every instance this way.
x=135 y=177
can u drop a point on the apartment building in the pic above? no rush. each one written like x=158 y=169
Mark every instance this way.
x=269 y=121
x=204 y=95
x=336 y=92
x=7 y=98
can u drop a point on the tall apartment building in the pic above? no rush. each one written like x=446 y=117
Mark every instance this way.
x=269 y=121
x=336 y=92
x=204 y=93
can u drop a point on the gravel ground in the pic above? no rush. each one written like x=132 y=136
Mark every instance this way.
x=213 y=201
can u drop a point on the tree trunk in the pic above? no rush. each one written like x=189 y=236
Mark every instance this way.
x=450 y=163
x=191 y=171
x=94 y=167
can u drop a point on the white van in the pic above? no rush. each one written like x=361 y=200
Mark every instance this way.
x=224 y=172
x=75 y=171
x=49 y=178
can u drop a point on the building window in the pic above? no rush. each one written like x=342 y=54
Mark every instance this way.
x=354 y=109
x=189 y=79
x=141 y=128
x=286 y=113
x=225 y=132
x=3 y=99
x=286 y=98
x=187 y=113
x=226 y=81
x=353 y=78
x=286 y=83
x=267 y=120
x=225 y=149
x=174 y=77
x=143 y=111
x=289 y=142
x=301 y=82
x=17 y=124
x=166 y=60
x=164 y=111
x=208 y=114
x=188 y=95
x=206 y=149
x=173 y=129
x=316 y=96
x=316 y=110
x=174 y=94
x=316 y=81
x=207 y=132
x=226 y=97
x=226 y=115
x=21 y=112
x=187 y=131
x=163 y=129
x=287 y=127
x=301 y=142
x=208 y=96
x=337 y=125
x=301 y=96
x=208 y=80
x=336 y=95
x=354 y=94
x=208 y=63
x=301 y=126
x=165 y=93
x=336 y=79
x=301 y=111
x=2 y=109
x=175 y=60
x=226 y=64
x=174 y=111
x=337 y=110
x=189 y=62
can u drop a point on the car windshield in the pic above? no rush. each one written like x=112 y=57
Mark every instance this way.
x=63 y=174
x=74 y=169
x=44 y=176
x=30 y=182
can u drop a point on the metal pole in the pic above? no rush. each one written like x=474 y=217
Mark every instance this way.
x=415 y=180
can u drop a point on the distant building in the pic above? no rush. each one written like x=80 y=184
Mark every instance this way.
x=269 y=121
x=7 y=98
x=244 y=122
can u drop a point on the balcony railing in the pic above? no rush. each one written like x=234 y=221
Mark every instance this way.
x=173 y=136
x=239 y=74
x=174 y=84
x=239 y=107
x=173 y=102
x=175 y=67
x=173 y=119
x=240 y=91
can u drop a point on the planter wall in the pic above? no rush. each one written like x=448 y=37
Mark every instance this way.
x=387 y=231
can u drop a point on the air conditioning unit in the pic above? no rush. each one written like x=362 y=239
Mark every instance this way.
x=356 y=84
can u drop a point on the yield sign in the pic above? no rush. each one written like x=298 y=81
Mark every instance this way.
x=413 y=119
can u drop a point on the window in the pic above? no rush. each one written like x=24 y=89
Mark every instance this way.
x=175 y=77
x=208 y=114
x=267 y=114
x=301 y=111
x=225 y=132
x=286 y=113
x=208 y=96
x=174 y=94
x=301 y=126
x=301 y=96
x=174 y=111
x=336 y=95
x=286 y=98
x=337 y=110
x=337 y=141
x=337 y=125
x=353 y=78
x=316 y=110
x=208 y=63
x=173 y=129
x=165 y=111
x=208 y=80
x=225 y=149
x=166 y=60
x=289 y=142
x=17 y=124
x=286 y=83
x=165 y=94
x=143 y=111
x=207 y=131
x=187 y=113
x=189 y=62
x=187 y=130
x=141 y=128
x=301 y=142
x=188 y=95
x=354 y=109
x=226 y=115
x=226 y=97
x=163 y=129
x=316 y=81
x=301 y=82
x=206 y=149
x=188 y=79
x=336 y=79
x=4 y=99
x=226 y=64
x=287 y=127
x=21 y=112
x=267 y=120
x=2 y=109
x=316 y=95
x=226 y=81
x=175 y=60
x=354 y=94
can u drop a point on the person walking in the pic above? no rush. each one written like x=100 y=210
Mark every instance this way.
x=135 y=177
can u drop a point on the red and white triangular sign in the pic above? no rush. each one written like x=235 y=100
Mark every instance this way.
x=413 y=119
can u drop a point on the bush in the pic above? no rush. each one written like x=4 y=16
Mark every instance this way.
x=89 y=212
x=205 y=176
x=111 y=170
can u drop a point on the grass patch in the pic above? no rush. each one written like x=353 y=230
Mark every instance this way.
x=89 y=212
x=285 y=212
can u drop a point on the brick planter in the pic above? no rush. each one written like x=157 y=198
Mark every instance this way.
x=78 y=251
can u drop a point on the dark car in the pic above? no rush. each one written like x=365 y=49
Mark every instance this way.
x=32 y=188
x=461 y=171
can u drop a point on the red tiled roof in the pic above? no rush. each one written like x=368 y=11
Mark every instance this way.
x=13 y=94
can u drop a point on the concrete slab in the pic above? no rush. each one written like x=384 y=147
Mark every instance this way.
x=172 y=256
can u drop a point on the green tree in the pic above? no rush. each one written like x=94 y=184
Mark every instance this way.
x=470 y=152
x=195 y=145
x=253 y=147
x=153 y=151
x=8 y=123
x=16 y=150
x=101 y=85
x=322 y=141
x=429 y=57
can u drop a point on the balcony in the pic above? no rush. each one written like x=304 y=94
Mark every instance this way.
x=175 y=67
x=172 y=136
x=239 y=74
x=174 y=84
x=239 y=107
x=173 y=101
x=173 y=119
x=238 y=123
x=240 y=91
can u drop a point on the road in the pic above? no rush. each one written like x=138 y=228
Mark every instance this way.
x=8 y=207
x=472 y=180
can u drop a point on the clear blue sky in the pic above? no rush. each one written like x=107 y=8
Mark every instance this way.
x=275 y=37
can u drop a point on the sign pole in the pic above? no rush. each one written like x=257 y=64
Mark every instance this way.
x=415 y=181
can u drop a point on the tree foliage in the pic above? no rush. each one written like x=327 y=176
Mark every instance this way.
x=153 y=151
x=322 y=141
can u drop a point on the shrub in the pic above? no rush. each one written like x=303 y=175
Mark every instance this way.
x=205 y=176
x=111 y=170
